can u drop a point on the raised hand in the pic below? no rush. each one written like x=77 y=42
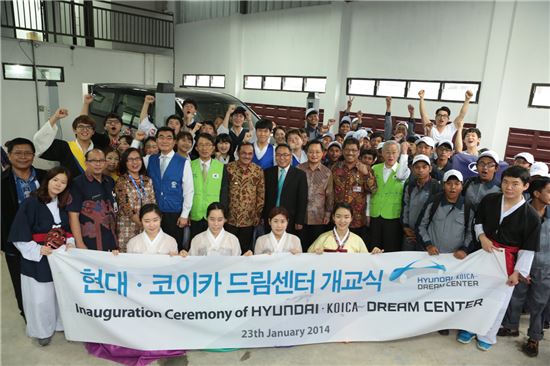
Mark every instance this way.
x=149 y=99
x=88 y=98
x=421 y=93
x=469 y=95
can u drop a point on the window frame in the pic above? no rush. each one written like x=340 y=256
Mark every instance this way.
x=34 y=72
x=407 y=86
x=196 y=79
x=283 y=82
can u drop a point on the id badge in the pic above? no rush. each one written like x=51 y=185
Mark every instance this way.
x=357 y=189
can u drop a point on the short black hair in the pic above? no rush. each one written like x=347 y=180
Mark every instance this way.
x=174 y=116
x=314 y=142
x=184 y=134
x=283 y=145
x=471 y=130
x=371 y=152
x=244 y=144
x=209 y=123
x=264 y=124
x=207 y=136
x=165 y=129
x=443 y=108
x=351 y=141
x=223 y=137
x=19 y=141
x=190 y=101
x=517 y=171
x=377 y=134
x=128 y=139
x=538 y=184
x=215 y=206
x=111 y=116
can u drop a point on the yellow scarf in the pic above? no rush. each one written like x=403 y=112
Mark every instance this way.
x=78 y=154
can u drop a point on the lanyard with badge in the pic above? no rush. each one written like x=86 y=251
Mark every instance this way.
x=140 y=190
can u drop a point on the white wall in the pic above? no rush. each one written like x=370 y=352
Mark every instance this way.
x=505 y=45
x=81 y=65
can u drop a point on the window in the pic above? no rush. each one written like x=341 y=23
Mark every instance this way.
x=204 y=81
x=451 y=91
x=540 y=96
x=317 y=85
x=293 y=83
x=361 y=87
x=286 y=83
x=26 y=72
x=391 y=88
x=253 y=82
x=431 y=89
x=272 y=83
x=454 y=92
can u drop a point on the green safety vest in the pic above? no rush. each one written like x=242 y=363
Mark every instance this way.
x=205 y=192
x=386 y=202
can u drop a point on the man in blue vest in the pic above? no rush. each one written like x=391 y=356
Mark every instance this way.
x=264 y=152
x=173 y=184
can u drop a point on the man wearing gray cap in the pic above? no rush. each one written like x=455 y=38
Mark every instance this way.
x=475 y=188
x=312 y=124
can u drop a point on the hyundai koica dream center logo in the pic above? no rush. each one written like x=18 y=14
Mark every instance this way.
x=416 y=269
x=473 y=167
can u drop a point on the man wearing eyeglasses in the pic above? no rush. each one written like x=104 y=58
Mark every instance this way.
x=18 y=182
x=91 y=208
x=286 y=186
x=173 y=183
x=475 y=188
x=444 y=129
x=68 y=154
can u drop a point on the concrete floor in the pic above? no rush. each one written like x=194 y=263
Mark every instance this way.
x=430 y=349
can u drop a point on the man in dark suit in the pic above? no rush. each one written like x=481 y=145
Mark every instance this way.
x=286 y=186
x=18 y=182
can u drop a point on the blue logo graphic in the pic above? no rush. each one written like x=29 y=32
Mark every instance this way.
x=473 y=167
x=411 y=271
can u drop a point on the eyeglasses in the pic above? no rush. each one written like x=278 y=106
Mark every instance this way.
x=134 y=159
x=97 y=161
x=282 y=155
x=112 y=122
x=488 y=166
x=442 y=115
x=84 y=128
x=23 y=154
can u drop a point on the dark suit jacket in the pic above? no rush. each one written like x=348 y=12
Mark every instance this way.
x=293 y=195
x=10 y=206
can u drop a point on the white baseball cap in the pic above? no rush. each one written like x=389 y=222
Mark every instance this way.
x=346 y=119
x=445 y=142
x=427 y=140
x=539 y=168
x=526 y=156
x=453 y=173
x=489 y=153
x=421 y=157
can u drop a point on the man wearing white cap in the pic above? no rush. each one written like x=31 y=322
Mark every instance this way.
x=443 y=163
x=425 y=146
x=475 y=188
x=446 y=221
x=539 y=169
x=416 y=194
x=312 y=124
x=444 y=129
x=524 y=159
x=345 y=125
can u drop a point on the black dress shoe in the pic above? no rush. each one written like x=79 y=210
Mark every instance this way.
x=444 y=332
x=506 y=332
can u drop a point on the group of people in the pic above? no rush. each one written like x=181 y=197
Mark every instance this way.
x=218 y=188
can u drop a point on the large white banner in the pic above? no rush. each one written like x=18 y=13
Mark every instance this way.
x=156 y=302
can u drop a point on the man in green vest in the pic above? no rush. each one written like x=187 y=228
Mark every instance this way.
x=386 y=202
x=210 y=181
